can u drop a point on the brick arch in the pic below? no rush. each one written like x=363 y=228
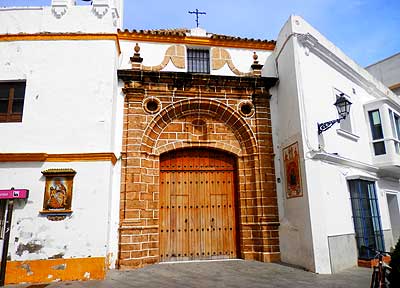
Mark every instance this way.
x=215 y=109
x=178 y=145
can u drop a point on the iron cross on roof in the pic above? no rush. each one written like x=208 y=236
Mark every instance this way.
x=197 y=12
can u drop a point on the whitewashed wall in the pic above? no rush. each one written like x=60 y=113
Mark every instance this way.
x=72 y=105
x=69 y=99
x=80 y=235
x=308 y=75
x=295 y=229
x=64 y=17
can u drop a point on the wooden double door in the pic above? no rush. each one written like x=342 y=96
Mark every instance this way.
x=197 y=211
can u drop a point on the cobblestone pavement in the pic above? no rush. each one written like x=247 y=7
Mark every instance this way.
x=234 y=273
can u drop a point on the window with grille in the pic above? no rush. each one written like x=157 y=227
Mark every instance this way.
x=12 y=96
x=198 y=61
x=366 y=217
x=377 y=132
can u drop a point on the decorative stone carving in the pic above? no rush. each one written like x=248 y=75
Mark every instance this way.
x=175 y=54
x=59 y=11
x=60 y=7
x=256 y=67
x=115 y=16
x=220 y=57
x=136 y=60
x=100 y=8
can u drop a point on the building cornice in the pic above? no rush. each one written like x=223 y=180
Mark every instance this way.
x=44 y=157
x=61 y=37
x=339 y=160
x=260 y=85
x=314 y=46
x=384 y=100
x=181 y=38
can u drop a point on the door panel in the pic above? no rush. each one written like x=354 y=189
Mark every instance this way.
x=197 y=211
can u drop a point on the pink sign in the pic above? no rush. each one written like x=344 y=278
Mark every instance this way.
x=14 y=194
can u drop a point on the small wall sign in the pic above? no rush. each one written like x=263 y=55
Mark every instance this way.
x=14 y=194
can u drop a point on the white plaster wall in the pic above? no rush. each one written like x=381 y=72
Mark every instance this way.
x=224 y=70
x=295 y=231
x=337 y=195
x=72 y=105
x=83 y=234
x=152 y=53
x=70 y=95
x=300 y=26
x=326 y=188
x=327 y=185
x=115 y=185
x=386 y=185
x=391 y=188
x=319 y=97
x=243 y=59
x=77 y=19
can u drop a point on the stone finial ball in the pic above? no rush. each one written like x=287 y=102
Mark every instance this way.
x=137 y=48
x=255 y=56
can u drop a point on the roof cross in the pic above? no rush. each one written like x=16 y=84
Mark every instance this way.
x=197 y=12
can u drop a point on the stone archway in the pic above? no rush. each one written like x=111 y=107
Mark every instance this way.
x=215 y=109
x=186 y=120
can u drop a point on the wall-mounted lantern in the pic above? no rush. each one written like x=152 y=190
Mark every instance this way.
x=343 y=108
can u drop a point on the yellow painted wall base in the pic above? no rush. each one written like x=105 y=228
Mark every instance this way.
x=46 y=271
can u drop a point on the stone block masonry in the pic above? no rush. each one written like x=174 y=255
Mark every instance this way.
x=167 y=111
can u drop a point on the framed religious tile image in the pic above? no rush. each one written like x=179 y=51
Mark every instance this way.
x=58 y=191
x=291 y=163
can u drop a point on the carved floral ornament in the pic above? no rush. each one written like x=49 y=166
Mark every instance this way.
x=176 y=54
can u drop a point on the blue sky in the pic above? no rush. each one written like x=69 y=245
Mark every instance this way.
x=366 y=30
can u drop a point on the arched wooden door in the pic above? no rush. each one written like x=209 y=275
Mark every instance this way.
x=197 y=211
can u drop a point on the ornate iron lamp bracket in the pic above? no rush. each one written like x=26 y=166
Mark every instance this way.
x=326 y=125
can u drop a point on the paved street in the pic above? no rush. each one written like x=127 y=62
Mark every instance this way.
x=235 y=273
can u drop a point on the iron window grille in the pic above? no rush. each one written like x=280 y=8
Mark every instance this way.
x=198 y=61
x=12 y=96
x=366 y=217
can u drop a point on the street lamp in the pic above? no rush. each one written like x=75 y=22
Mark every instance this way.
x=343 y=108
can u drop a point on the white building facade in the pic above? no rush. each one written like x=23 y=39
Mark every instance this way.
x=336 y=191
x=341 y=165
x=61 y=61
